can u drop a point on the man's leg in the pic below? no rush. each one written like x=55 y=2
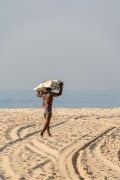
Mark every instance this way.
x=48 y=117
x=46 y=126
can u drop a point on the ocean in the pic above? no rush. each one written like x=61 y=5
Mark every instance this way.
x=69 y=99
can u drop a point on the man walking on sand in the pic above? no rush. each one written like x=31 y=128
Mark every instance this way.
x=47 y=98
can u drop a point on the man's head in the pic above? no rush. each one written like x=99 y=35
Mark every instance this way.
x=48 y=89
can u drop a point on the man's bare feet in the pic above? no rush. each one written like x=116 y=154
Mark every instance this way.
x=49 y=134
x=41 y=134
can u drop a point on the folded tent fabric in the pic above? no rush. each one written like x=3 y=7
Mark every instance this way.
x=39 y=88
x=53 y=84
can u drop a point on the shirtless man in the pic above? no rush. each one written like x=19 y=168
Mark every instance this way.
x=47 y=98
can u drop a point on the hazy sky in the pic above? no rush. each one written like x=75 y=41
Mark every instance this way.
x=77 y=41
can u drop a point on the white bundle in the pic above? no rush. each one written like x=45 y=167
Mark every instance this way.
x=53 y=84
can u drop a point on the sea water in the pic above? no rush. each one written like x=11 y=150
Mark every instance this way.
x=69 y=99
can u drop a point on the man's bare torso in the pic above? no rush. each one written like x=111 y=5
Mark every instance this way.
x=47 y=100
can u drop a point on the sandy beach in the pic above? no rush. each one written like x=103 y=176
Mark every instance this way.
x=85 y=144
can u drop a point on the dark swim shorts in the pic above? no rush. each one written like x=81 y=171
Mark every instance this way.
x=47 y=110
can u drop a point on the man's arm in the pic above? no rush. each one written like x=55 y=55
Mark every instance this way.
x=39 y=94
x=60 y=92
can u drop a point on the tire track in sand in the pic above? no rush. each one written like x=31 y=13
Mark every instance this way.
x=10 y=153
x=95 y=165
x=46 y=156
x=69 y=164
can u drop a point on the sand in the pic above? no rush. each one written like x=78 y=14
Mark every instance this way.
x=85 y=144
